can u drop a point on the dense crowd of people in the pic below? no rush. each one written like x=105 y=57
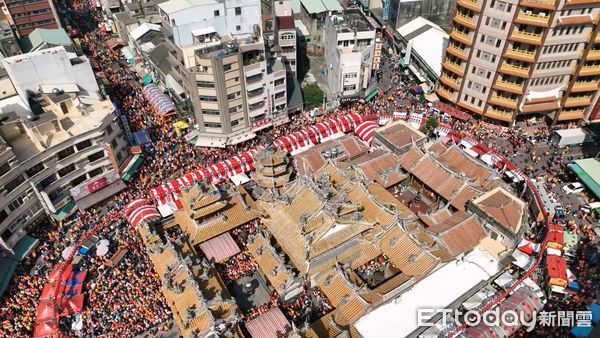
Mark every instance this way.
x=307 y=307
x=238 y=266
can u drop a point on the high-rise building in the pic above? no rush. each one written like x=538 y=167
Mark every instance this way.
x=59 y=146
x=509 y=60
x=349 y=44
x=31 y=14
x=216 y=54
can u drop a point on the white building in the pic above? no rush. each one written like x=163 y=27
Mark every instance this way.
x=424 y=44
x=215 y=61
x=60 y=147
x=349 y=44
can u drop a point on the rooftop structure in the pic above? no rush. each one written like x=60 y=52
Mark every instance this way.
x=41 y=38
x=425 y=44
x=398 y=137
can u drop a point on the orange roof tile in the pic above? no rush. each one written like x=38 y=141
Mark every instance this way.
x=459 y=162
x=504 y=207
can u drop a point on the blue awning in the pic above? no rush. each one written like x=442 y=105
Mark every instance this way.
x=132 y=166
x=8 y=265
x=65 y=211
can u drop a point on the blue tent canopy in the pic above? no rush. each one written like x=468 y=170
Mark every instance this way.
x=581 y=331
x=595 y=308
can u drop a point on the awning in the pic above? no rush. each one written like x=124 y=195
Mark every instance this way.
x=209 y=141
x=174 y=85
x=505 y=280
x=271 y=324
x=365 y=131
x=65 y=211
x=371 y=95
x=241 y=138
x=471 y=152
x=522 y=260
x=220 y=248
x=528 y=247
x=323 y=129
x=8 y=265
x=161 y=102
x=128 y=53
x=143 y=213
x=134 y=163
x=556 y=267
x=141 y=137
x=586 y=179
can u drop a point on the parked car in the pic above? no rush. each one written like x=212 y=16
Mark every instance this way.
x=572 y=188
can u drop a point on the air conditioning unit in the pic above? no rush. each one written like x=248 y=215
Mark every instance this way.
x=543 y=15
x=528 y=12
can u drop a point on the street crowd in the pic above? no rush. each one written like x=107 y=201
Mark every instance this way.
x=125 y=300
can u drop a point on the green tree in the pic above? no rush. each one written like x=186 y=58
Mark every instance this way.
x=432 y=123
x=313 y=96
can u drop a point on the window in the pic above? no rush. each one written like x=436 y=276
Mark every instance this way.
x=208 y=98
x=65 y=153
x=233 y=110
x=3 y=216
x=109 y=130
x=236 y=122
x=34 y=169
x=217 y=13
x=6 y=234
x=205 y=84
x=227 y=67
x=95 y=172
x=17 y=202
x=212 y=125
x=350 y=75
x=4 y=168
x=66 y=170
x=12 y=185
x=350 y=87
x=78 y=180
x=85 y=144
x=238 y=28
x=47 y=181
x=114 y=143
x=238 y=11
x=490 y=40
x=96 y=156
x=232 y=96
x=210 y=112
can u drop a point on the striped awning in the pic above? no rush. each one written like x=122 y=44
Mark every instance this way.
x=365 y=131
x=161 y=101
x=141 y=210
x=220 y=248
x=271 y=324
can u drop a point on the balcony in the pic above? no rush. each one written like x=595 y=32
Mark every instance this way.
x=443 y=92
x=503 y=101
x=593 y=55
x=526 y=37
x=453 y=67
x=469 y=4
x=539 y=107
x=584 y=86
x=581 y=2
x=578 y=101
x=515 y=70
x=584 y=19
x=511 y=87
x=541 y=4
x=567 y=115
x=457 y=51
x=460 y=36
x=465 y=20
x=520 y=54
x=449 y=81
x=590 y=70
x=539 y=20
x=498 y=114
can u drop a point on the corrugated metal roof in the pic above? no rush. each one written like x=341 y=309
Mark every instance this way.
x=313 y=6
x=332 y=5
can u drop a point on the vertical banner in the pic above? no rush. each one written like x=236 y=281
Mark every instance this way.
x=386 y=10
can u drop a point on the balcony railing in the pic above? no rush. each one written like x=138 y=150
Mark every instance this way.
x=503 y=101
x=443 y=92
x=453 y=67
x=450 y=82
x=526 y=37
x=470 y=4
x=498 y=114
x=457 y=51
x=460 y=36
x=515 y=70
x=540 y=20
x=520 y=54
x=578 y=101
x=589 y=70
x=511 y=87
x=465 y=20
x=584 y=86
x=543 y=4
x=593 y=55
x=566 y=115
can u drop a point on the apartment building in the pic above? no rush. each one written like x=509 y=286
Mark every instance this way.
x=349 y=43
x=60 y=147
x=28 y=15
x=216 y=54
x=509 y=60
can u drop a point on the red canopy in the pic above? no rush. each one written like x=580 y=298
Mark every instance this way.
x=247 y=157
x=556 y=266
x=46 y=329
x=220 y=248
x=73 y=305
x=144 y=213
x=270 y=324
x=333 y=126
x=45 y=311
x=365 y=131
x=322 y=128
